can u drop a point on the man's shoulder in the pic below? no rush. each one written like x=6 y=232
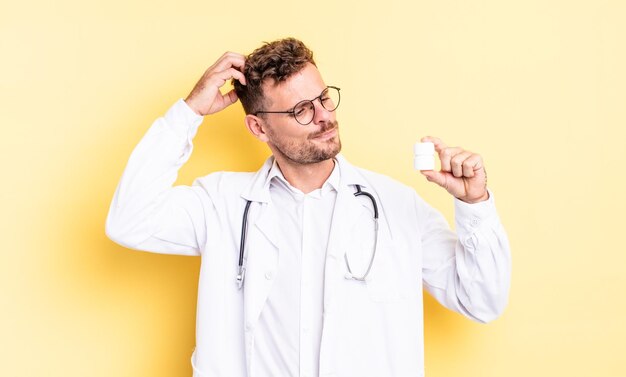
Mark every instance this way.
x=225 y=181
x=382 y=182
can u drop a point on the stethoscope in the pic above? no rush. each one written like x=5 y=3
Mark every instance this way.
x=350 y=275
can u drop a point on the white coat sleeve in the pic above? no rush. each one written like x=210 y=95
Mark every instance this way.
x=469 y=272
x=147 y=212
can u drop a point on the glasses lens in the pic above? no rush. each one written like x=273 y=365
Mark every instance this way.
x=330 y=98
x=304 y=112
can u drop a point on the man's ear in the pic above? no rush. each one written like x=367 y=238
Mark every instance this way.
x=256 y=127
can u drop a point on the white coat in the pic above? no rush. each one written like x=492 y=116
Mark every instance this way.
x=372 y=328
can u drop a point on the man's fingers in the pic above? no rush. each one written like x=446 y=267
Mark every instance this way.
x=446 y=155
x=229 y=60
x=206 y=98
x=218 y=79
x=435 y=176
x=462 y=172
x=473 y=163
x=235 y=74
x=438 y=143
x=457 y=164
x=230 y=97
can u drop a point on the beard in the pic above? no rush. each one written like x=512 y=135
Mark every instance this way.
x=310 y=151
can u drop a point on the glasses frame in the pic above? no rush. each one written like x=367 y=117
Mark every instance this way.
x=293 y=110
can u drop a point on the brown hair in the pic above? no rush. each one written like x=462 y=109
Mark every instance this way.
x=275 y=61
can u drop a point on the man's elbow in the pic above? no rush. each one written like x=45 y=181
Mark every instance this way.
x=490 y=311
x=116 y=232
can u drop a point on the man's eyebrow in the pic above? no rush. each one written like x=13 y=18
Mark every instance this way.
x=308 y=99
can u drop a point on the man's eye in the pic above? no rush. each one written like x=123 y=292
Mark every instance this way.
x=304 y=108
x=299 y=111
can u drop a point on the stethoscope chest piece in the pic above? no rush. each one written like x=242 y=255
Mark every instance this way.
x=240 y=276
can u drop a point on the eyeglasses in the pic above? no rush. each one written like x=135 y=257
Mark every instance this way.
x=304 y=111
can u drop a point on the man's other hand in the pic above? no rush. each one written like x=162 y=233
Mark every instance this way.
x=206 y=98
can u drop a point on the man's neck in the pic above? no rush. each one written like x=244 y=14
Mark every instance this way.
x=305 y=177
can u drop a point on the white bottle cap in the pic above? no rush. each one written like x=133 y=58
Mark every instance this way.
x=426 y=148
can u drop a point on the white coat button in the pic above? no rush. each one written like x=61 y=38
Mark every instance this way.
x=248 y=325
x=269 y=275
x=474 y=221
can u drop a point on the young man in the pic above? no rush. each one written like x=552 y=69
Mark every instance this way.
x=310 y=266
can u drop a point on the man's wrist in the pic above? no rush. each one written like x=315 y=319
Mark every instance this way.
x=183 y=119
x=189 y=102
x=482 y=198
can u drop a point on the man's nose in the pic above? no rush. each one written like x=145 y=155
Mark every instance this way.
x=321 y=114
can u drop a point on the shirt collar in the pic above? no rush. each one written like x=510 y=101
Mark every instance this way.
x=275 y=176
x=258 y=188
x=347 y=176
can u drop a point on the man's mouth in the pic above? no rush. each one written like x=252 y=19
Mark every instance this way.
x=326 y=134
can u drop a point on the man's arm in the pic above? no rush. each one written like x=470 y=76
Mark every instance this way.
x=147 y=212
x=468 y=272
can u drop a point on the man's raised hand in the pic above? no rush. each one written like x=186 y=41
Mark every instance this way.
x=206 y=98
x=462 y=172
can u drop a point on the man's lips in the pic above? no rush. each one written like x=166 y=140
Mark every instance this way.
x=329 y=134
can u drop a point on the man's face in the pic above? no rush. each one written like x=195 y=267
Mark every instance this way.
x=303 y=144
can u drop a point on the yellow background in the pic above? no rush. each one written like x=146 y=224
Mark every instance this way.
x=538 y=87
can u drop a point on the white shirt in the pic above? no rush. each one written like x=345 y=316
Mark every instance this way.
x=287 y=342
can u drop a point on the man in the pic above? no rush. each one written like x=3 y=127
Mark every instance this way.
x=329 y=282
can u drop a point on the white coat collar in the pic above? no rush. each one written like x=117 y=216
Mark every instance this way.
x=258 y=190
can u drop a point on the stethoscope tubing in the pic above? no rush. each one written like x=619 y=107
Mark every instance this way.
x=244 y=230
x=350 y=274
x=242 y=245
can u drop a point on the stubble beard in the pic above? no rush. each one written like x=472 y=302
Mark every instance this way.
x=310 y=152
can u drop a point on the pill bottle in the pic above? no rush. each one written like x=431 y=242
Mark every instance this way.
x=424 y=156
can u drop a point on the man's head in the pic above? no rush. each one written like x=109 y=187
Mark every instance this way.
x=271 y=63
x=279 y=76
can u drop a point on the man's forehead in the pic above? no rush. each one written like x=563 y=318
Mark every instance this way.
x=302 y=85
